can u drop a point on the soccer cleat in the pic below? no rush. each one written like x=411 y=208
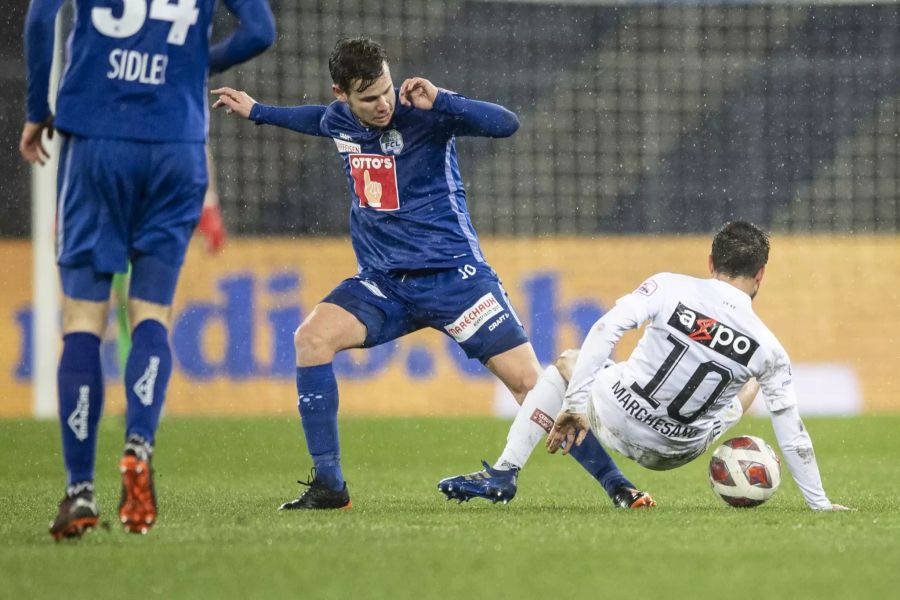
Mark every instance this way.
x=77 y=514
x=137 y=508
x=626 y=497
x=491 y=484
x=319 y=496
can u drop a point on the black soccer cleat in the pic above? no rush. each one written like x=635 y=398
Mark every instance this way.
x=78 y=513
x=626 y=497
x=319 y=496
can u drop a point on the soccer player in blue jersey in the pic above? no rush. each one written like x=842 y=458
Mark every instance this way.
x=132 y=112
x=420 y=263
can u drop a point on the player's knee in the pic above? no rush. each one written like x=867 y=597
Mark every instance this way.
x=521 y=383
x=84 y=316
x=141 y=310
x=565 y=363
x=312 y=346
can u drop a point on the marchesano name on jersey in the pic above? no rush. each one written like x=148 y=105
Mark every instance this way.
x=636 y=409
x=713 y=334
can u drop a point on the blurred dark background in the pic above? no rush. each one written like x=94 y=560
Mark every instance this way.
x=636 y=118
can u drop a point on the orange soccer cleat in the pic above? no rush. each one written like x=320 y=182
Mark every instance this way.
x=137 y=508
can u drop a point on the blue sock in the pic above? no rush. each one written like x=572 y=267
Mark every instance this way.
x=80 y=388
x=318 y=405
x=147 y=373
x=596 y=461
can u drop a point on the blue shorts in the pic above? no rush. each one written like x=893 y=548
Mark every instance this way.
x=122 y=201
x=468 y=304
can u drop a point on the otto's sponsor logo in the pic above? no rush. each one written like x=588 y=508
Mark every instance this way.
x=647 y=288
x=542 y=419
x=371 y=161
x=391 y=142
x=375 y=181
x=474 y=317
x=345 y=146
x=713 y=334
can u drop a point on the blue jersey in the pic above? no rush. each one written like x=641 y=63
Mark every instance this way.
x=408 y=203
x=137 y=69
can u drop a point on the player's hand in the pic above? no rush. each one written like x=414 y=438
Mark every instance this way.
x=31 y=146
x=418 y=92
x=212 y=228
x=569 y=428
x=234 y=101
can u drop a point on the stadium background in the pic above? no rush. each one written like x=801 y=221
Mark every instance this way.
x=644 y=127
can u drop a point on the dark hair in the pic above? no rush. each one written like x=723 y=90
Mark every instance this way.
x=740 y=249
x=356 y=59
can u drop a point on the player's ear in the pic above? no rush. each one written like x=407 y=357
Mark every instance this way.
x=338 y=92
x=759 y=274
x=712 y=267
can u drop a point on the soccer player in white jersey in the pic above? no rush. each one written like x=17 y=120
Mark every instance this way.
x=690 y=378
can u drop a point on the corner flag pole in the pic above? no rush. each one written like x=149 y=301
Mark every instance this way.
x=45 y=293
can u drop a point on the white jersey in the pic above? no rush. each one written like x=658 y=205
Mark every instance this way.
x=677 y=392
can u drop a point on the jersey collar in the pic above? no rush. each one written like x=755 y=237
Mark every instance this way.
x=733 y=293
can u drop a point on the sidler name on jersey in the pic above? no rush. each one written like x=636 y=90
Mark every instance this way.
x=131 y=65
x=713 y=334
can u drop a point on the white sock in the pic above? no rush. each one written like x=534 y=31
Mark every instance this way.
x=534 y=419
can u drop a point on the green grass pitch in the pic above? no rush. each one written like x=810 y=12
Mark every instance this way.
x=220 y=480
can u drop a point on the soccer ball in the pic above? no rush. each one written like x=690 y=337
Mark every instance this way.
x=744 y=471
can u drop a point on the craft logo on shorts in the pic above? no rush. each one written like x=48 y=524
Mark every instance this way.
x=375 y=181
x=713 y=334
x=391 y=142
x=474 y=317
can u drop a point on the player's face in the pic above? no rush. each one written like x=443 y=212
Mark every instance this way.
x=373 y=106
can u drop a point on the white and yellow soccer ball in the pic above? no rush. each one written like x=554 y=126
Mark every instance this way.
x=744 y=471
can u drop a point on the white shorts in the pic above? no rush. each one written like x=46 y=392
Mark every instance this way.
x=649 y=448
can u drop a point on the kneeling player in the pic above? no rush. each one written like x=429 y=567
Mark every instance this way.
x=689 y=379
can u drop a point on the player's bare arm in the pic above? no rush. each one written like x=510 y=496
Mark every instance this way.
x=568 y=427
x=234 y=101
x=418 y=92
x=31 y=145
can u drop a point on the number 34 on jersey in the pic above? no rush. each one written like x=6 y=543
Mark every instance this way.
x=134 y=65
